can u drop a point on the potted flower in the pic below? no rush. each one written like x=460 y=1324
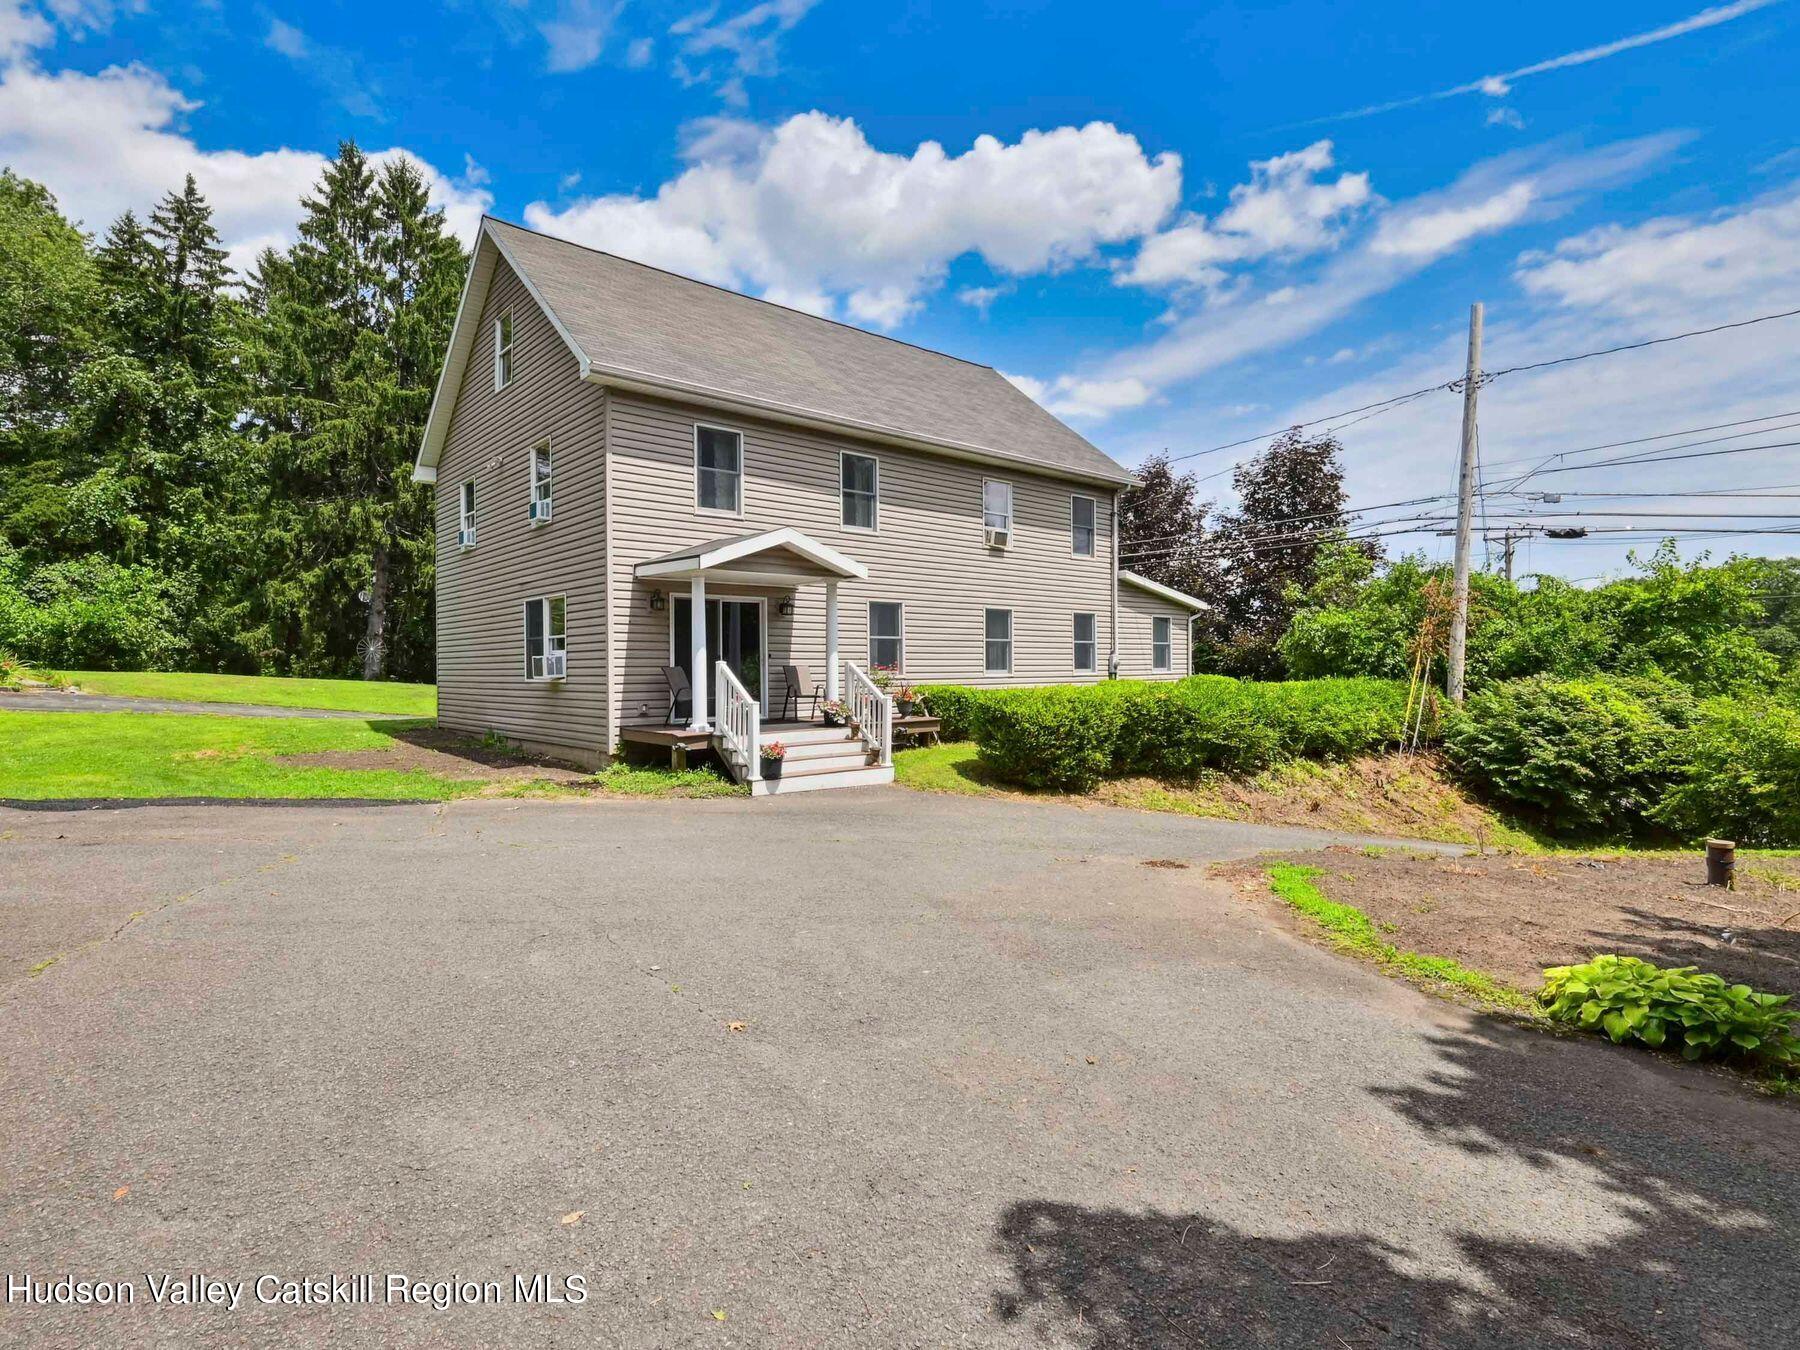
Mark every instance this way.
x=772 y=755
x=834 y=712
x=883 y=677
x=906 y=700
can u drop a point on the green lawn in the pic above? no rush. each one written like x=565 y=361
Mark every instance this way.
x=407 y=700
x=65 y=755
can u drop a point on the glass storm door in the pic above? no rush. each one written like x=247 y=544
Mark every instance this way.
x=733 y=635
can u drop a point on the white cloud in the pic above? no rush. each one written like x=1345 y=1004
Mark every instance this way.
x=1505 y=117
x=1402 y=240
x=1071 y=396
x=110 y=141
x=22 y=29
x=981 y=298
x=1499 y=86
x=286 y=39
x=811 y=208
x=639 y=52
x=1283 y=210
x=1429 y=234
x=747 y=44
x=577 y=32
x=1601 y=288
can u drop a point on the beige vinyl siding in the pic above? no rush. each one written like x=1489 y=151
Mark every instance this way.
x=1137 y=611
x=481 y=591
x=928 y=552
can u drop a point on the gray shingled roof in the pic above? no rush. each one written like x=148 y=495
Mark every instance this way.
x=627 y=317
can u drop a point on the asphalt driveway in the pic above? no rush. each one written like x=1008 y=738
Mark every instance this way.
x=853 y=1068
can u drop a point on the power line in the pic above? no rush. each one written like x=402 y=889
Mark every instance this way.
x=1664 y=436
x=1667 y=459
x=1369 y=408
x=1639 y=346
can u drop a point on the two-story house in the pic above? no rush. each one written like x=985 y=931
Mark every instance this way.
x=644 y=479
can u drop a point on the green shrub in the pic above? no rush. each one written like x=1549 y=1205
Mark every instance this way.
x=1070 y=737
x=1677 y=1008
x=1738 y=774
x=94 y=614
x=1064 y=736
x=1588 y=755
x=956 y=706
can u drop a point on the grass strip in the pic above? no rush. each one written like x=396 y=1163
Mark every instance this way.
x=1350 y=930
x=271 y=691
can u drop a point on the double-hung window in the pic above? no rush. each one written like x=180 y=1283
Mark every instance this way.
x=999 y=642
x=503 y=352
x=465 y=525
x=997 y=512
x=1161 y=649
x=540 y=483
x=859 y=485
x=546 y=649
x=718 y=470
x=887 y=634
x=1087 y=645
x=1081 y=518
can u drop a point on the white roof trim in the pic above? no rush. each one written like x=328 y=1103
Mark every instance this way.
x=465 y=333
x=1168 y=593
x=704 y=559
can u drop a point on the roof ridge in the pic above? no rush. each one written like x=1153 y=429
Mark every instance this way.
x=741 y=295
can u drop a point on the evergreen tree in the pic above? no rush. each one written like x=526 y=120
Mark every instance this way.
x=192 y=279
x=353 y=324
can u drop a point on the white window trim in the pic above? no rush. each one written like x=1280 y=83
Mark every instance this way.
x=532 y=478
x=859 y=529
x=1168 y=665
x=1094 y=541
x=1012 y=511
x=1093 y=666
x=525 y=636
x=503 y=353
x=738 y=514
x=986 y=669
x=465 y=517
x=899 y=665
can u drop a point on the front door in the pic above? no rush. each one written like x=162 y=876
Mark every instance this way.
x=734 y=635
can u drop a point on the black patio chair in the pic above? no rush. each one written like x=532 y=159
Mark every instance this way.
x=680 y=691
x=800 y=685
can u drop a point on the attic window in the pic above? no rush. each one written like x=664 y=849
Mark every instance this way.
x=503 y=352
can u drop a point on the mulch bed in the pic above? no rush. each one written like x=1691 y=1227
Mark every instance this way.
x=448 y=755
x=1513 y=915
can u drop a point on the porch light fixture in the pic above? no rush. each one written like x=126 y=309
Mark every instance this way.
x=658 y=601
x=786 y=606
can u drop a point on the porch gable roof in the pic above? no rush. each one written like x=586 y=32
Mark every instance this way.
x=713 y=554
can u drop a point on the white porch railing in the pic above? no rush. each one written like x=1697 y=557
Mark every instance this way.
x=871 y=711
x=738 y=722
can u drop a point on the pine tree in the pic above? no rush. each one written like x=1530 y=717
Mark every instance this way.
x=353 y=324
x=192 y=278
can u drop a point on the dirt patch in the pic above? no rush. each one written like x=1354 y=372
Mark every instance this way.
x=448 y=755
x=1512 y=916
x=1399 y=795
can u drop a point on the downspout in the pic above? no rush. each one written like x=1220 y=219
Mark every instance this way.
x=1112 y=656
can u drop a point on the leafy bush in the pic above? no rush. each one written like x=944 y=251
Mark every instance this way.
x=1677 y=1008
x=1739 y=774
x=956 y=706
x=1588 y=755
x=94 y=614
x=1070 y=737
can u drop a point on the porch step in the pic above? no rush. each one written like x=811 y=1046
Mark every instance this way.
x=813 y=780
x=809 y=752
x=818 y=735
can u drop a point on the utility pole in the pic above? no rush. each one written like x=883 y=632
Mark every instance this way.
x=1465 y=512
x=1508 y=542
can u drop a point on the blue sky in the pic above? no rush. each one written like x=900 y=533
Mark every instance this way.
x=1175 y=225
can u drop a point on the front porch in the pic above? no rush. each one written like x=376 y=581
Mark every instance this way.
x=734 y=684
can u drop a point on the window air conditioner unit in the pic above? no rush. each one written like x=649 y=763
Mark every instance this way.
x=556 y=665
x=465 y=538
x=540 y=512
x=998 y=536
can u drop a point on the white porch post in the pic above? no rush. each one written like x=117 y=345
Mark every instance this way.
x=697 y=647
x=831 y=641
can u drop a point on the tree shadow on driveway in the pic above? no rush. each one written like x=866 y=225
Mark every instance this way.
x=1701 y=1181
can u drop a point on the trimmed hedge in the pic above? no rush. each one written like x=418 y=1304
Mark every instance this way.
x=1072 y=736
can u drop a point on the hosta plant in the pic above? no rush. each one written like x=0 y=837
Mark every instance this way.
x=1674 y=1008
